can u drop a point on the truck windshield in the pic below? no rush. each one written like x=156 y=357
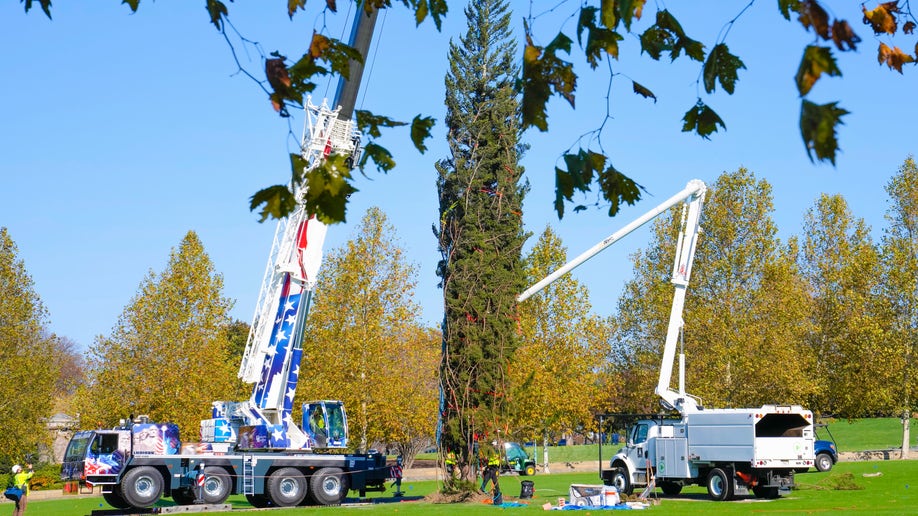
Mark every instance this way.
x=76 y=450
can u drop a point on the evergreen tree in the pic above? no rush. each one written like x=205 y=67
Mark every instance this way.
x=27 y=358
x=480 y=232
x=168 y=356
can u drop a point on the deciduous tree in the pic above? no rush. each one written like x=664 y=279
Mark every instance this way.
x=842 y=269
x=168 y=355
x=900 y=258
x=480 y=230
x=364 y=344
x=27 y=352
x=560 y=353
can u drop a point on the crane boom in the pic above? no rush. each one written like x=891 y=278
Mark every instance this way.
x=692 y=197
x=271 y=360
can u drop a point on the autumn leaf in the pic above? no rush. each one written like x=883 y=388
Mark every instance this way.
x=818 y=127
x=843 y=35
x=909 y=27
x=702 y=120
x=294 y=5
x=723 y=66
x=642 y=91
x=881 y=18
x=813 y=16
x=894 y=57
x=816 y=61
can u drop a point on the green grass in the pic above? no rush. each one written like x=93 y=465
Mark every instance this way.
x=870 y=434
x=894 y=491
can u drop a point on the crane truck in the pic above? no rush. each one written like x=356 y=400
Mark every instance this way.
x=730 y=451
x=254 y=447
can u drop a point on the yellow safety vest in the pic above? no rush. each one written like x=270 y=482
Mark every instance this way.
x=493 y=460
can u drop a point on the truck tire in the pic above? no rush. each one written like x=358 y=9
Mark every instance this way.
x=115 y=499
x=183 y=496
x=530 y=470
x=622 y=481
x=670 y=488
x=142 y=487
x=824 y=462
x=217 y=485
x=328 y=486
x=720 y=486
x=286 y=487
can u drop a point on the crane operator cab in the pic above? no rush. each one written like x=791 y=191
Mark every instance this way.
x=325 y=422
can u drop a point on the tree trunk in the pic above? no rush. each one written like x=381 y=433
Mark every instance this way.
x=545 y=453
x=906 y=439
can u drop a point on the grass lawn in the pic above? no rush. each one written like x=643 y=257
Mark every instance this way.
x=892 y=488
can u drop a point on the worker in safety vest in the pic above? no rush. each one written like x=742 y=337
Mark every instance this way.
x=451 y=469
x=491 y=470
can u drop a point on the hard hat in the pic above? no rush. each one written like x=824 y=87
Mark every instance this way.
x=17 y=468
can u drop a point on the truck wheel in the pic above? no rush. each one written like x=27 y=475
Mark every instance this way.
x=115 y=499
x=328 y=486
x=720 y=487
x=258 y=501
x=286 y=487
x=670 y=488
x=217 y=485
x=622 y=481
x=824 y=462
x=183 y=496
x=529 y=471
x=142 y=487
x=765 y=492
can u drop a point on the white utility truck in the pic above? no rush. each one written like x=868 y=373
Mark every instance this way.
x=730 y=451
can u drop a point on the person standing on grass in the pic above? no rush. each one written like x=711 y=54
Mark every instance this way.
x=21 y=480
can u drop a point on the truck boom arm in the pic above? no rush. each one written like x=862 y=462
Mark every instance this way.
x=692 y=197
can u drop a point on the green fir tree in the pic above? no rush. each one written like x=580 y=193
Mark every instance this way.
x=480 y=230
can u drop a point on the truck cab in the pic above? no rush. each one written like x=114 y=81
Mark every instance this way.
x=516 y=460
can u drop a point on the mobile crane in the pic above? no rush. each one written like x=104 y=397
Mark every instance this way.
x=254 y=447
x=730 y=451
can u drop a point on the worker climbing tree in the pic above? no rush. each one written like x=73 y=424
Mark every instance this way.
x=480 y=231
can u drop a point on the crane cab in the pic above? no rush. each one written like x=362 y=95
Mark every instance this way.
x=325 y=422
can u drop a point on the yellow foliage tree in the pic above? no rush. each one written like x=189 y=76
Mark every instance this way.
x=364 y=345
x=168 y=355
x=27 y=358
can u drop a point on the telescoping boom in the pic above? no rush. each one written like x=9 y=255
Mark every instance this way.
x=691 y=197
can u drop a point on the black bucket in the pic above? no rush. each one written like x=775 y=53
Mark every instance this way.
x=527 y=489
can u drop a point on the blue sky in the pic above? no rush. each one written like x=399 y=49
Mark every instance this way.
x=120 y=132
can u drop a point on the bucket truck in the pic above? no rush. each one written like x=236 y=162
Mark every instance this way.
x=254 y=447
x=730 y=451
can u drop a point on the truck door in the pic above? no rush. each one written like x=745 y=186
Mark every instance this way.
x=637 y=445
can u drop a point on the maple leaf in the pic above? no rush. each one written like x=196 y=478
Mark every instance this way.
x=817 y=127
x=881 y=19
x=702 y=120
x=812 y=15
x=842 y=35
x=723 y=66
x=816 y=61
x=893 y=57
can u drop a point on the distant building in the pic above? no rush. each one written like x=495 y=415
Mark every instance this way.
x=61 y=428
